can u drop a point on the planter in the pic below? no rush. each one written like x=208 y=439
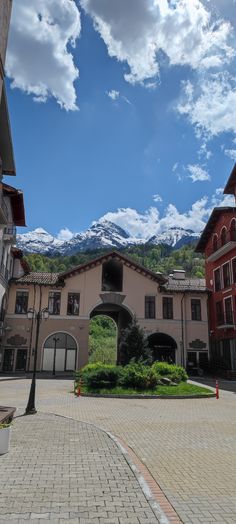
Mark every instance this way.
x=5 y=435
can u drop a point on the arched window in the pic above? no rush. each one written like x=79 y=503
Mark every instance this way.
x=59 y=353
x=223 y=236
x=233 y=230
x=215 y=242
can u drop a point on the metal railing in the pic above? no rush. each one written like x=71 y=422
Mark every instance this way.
x=11 y=231
x=3 y=206
x=4 y=272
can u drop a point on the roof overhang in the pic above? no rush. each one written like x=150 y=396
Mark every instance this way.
x=230 y=188
x=17 y=204
x=6 y=147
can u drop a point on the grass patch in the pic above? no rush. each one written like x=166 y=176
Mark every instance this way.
x=181 y=389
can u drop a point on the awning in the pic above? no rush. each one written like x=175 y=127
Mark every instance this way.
x=6 y=147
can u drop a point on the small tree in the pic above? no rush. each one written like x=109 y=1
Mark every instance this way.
x=134 y=345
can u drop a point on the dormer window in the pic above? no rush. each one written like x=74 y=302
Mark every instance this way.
x=112 y=275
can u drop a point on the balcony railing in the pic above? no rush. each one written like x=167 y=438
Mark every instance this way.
x=4 y=272
x=225 y=322
x=3 y=211
x=9 y=232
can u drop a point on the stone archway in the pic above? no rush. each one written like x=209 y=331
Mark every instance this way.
x=163 y=347
x=118 y=313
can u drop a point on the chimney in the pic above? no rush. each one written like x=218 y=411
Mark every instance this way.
x=179 y=274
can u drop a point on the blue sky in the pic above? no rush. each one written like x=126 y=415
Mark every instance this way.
x=123 y=110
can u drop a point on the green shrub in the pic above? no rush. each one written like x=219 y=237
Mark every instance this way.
x=138 y=376
x=175 y=373
x=103 y=377
x=86 y=370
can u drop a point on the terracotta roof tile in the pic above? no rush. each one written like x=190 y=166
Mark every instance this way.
x=40 y=278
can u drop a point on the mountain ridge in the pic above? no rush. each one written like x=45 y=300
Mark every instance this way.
x=101 y=235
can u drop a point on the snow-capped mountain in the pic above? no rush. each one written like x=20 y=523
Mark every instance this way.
x=175 y=237
x=38 y=241
x=101 y=235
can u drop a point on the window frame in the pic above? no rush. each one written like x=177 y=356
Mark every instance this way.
x=218 y=269
x=71 y=293
x=225 y=285
x=54 y=313
x=167 y=308
x=26 y=293
x=196 y=308
x=228 y=319
x=148 y=304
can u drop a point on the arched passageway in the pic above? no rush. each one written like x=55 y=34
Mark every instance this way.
x=119 y=314
x=59 y=353
x=102 y=340
x=163 y=347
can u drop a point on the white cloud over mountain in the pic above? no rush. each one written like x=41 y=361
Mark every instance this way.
x=39 y=60
x=150 y=222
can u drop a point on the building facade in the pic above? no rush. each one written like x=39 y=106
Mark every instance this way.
x=11 y=199
x=218 y=243
x=172 y=311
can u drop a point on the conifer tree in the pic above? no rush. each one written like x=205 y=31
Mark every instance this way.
x=133 y=345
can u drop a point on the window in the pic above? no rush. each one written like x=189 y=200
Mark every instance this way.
x=226 y=275
x=234 y=270
x=150 y=307
x=196 y=309
x=219 y=313
x=223 y=236
x=233 y=230
x=167 y=306
x=112 y=275
x=217 y=280
x=54 y=303
x=73 y=304
x=228 y=311
x=21 y=302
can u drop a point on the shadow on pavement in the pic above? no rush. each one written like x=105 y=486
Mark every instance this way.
x=226 y=385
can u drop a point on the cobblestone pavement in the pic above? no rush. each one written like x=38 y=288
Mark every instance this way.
x=189 y=446
x=62 y=470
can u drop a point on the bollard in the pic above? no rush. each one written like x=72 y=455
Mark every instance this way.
x=217 y=389
x=78 y=390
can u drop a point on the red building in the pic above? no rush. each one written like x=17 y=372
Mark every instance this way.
x=218 y=243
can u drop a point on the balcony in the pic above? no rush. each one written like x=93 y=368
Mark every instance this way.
x=223 y=246
x=9 y=234
x=226 y=323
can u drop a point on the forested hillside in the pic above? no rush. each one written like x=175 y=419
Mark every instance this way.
x=157 y=258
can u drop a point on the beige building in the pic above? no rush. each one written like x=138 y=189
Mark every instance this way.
x=172 y=311
x=11 y=199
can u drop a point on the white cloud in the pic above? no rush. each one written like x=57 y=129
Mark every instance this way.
x=39 y=60
x=210 y=105
x=144 y=225
x=135 y=30
x=65 y=234
x=175 y=166
x=157 y=198
x=231 y=153
x=197 y=173
x=113 y=94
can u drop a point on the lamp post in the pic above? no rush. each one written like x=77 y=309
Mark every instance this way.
x=55 y=339
x=37 y=316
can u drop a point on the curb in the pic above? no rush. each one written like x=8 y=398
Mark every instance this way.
x=162 y=397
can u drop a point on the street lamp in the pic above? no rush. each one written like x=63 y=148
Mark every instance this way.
x=37 y=316
x=55 y=339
